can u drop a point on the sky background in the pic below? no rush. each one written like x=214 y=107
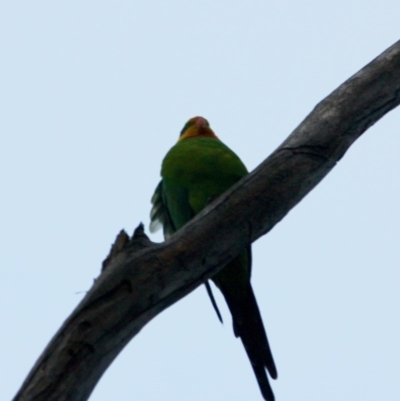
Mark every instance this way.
x=94 y=93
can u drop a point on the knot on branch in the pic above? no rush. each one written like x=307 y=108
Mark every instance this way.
x=138 y=241
x=120 y=243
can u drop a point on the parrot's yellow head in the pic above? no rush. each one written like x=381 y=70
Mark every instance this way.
x=197 y=126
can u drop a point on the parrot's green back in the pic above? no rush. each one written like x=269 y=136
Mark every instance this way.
x=194 y=172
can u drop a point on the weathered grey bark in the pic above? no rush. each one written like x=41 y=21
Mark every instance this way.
x=145 y=278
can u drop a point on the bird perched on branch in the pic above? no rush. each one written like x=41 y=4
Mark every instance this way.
x=195 y=171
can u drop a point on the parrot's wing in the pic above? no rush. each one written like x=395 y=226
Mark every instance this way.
x=159 y=215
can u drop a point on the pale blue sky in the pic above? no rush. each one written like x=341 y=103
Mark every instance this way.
x=94 y=93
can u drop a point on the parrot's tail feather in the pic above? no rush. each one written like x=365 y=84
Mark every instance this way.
x=213 y=302
x=251 y=330
x=263 y=383
x=248 y=325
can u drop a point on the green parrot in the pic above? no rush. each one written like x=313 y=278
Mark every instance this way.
x=195 y=171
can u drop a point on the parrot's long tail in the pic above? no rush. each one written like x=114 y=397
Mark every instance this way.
x=234 y=283
x=248 y=325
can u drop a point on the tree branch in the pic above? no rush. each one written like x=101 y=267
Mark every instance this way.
x=140 y=278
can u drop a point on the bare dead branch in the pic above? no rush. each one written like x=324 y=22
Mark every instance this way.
x=140 y=278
